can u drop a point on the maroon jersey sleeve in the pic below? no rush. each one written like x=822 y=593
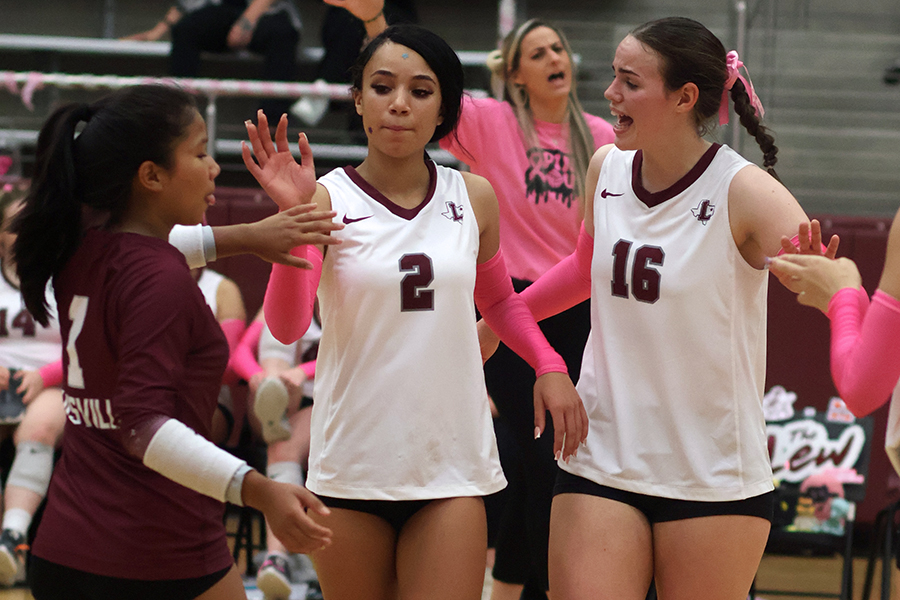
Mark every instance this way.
x=161 y=316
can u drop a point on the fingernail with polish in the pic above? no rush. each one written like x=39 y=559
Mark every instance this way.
x=537 y=433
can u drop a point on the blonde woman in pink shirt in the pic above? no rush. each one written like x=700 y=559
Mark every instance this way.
x=534 y=147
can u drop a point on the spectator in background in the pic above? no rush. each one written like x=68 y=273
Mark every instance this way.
x=31 y=407
x=267 y=27
x=342 y=37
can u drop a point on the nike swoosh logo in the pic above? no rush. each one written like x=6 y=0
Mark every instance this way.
x=605 y=194
x=348 y=220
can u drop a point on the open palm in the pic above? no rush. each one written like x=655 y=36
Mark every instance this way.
x=287 y=182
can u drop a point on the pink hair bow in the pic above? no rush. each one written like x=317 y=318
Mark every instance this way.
x=732 y=64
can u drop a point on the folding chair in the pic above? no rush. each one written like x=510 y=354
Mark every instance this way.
x=808 y=445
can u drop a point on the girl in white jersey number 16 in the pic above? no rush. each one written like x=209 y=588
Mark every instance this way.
x=674 y=483
x=402 y=445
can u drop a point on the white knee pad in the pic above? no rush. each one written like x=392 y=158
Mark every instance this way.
x=32 y=467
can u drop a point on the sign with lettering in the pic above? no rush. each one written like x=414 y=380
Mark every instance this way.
x=805 y=445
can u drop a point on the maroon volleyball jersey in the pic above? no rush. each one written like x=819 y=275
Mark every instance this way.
x=140 y=343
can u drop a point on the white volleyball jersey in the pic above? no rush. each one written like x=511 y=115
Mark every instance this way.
x=674 y=369
x=401 y=411
x=25 y=343
x=209 y=285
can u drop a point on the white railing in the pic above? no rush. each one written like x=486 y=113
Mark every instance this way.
x=211 y=89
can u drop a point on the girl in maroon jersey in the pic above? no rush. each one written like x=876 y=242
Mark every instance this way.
x=135 y=507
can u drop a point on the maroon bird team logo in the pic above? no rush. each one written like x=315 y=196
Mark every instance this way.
x=704 y=211
x=454 y=212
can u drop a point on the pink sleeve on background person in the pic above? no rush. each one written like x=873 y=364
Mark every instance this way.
x=290 y=296
x=865 y=356
x=566 y=284
x=52 y=373
x=309 y=369
x=243 y=357
x=507 y=314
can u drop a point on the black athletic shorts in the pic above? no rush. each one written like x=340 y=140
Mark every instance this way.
x=52 y=581
x=395 y=512
x=659 y=510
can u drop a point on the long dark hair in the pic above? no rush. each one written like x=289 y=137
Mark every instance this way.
x=505 y=63
x=691 y=53
x=94 y=168
x=440 y=58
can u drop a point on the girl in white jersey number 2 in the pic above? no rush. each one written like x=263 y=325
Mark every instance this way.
x=402 y=445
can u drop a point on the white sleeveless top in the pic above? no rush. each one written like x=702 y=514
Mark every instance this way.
x=25 y=343
x=209 y=285
x=401 y=411
x=674 y=370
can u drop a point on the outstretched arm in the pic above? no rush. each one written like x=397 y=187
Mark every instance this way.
x=507 y=314
x=290 y=293
x=865 y=363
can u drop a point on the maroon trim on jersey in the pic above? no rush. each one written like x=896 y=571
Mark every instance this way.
x=652 y=199
x=404 y=213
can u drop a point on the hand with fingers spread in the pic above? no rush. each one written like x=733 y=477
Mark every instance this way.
x=815 y=279
x=555 y=392
x=809 y=241
x=273 y=238
x=287 y=182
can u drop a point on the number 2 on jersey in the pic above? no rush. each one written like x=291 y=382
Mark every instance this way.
x=414 y=294
x=645 y=280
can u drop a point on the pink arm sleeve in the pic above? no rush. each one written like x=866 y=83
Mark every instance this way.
x=290 y=296
x=243 y=361
x=865 y=361
x=52 y=373
x=566 y=284
x=508 y=315
x=309 y=369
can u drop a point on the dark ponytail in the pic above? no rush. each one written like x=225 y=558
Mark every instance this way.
x=689 y=52
x=747 y=114
x=49 y=224
x=93 y=169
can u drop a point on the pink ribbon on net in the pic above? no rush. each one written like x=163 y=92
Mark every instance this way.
x=732 y=64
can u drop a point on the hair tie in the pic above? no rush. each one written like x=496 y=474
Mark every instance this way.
x=732 y=64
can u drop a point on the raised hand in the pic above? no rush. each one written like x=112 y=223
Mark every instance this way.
x=555 y=392
x=809 y=241
x=287 y=182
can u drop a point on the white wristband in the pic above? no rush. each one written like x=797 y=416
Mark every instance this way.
x=189 y=240
x=179 y=453
x=233 y=493
x=209 y=244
